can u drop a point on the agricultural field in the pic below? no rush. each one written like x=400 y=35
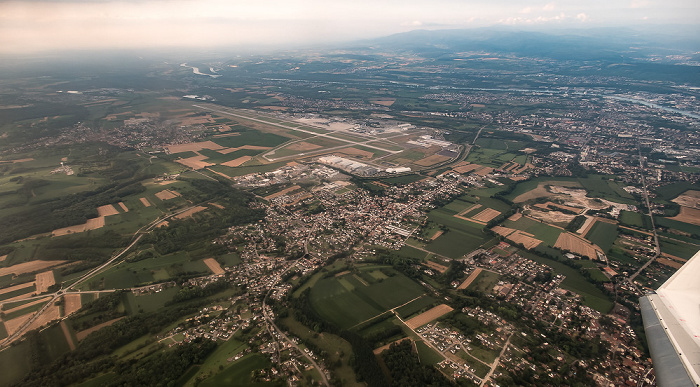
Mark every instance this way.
x=539 y=230
x=603 y=234
x=347 y=301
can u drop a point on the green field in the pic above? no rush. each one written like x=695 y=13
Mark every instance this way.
x=217 y=358
x=484 y=282
x=677 y=248
x=676 y=225
x=603 y=234
x=634 y=219
x=346 y=306
x=415 y=307
x=13 y=362
x=148 y=302
x=251 y=137
x=239 y=373
x=540 y=230
x=454 y=243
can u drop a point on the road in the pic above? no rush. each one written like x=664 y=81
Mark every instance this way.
x=55 y=296
x=495 y=362
x=271 y=323
x=657 y=251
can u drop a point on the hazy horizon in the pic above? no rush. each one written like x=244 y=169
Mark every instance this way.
x=37 y=26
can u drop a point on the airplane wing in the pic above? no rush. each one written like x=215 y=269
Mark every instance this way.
x=672 y=324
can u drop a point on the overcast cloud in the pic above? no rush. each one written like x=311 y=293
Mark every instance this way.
x=27 y=26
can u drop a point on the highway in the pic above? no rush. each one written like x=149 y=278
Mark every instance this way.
x=651 y=217
x=57 y=295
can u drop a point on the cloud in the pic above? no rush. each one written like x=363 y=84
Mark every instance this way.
x=549 y=6
x=639 y=4
x=582 y=17
x=414 y=23
x=526 y=10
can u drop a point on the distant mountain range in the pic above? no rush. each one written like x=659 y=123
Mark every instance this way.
x=615 y=44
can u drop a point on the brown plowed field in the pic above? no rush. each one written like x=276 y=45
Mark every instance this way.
x=166 y=195
x=194 y=146
x=688 y=215
x=428 y=316
x=72 y=303
x=107 y=210
x=435 y=266
x=28 y=267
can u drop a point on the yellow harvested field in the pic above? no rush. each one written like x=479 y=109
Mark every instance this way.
x=193 y=147
x=27 y=305
x=436 y=235
x=248 y=147
x=83 y=334
x=505 y=231
x=486 y=215
x=52 y=313
x=217 y=205
x=164 y=223
x=428 y=316
x=18 y=287
x=342 y=273
x=145 y=202
x=214 y=266
x=190 y=212
x=302 y=146
x=282 y=193
x=583 y=230
x=532 y=194
x=515 y=217
x=470 y=279
x=11 y=326
x=72 y=303
x=107 y=210
x=123 y=206
x=430 y=160
x=526 y=239
x=3 y=257
x=237 y=162
x=575 y=244
x=517 y=236
x=167 y=195
x=91 y=224
x=28 y=267
x=196 y=162
x=435 y=266
x=43 y=281
x=688 y=215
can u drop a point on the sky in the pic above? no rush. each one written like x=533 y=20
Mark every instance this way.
x=31 y=26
